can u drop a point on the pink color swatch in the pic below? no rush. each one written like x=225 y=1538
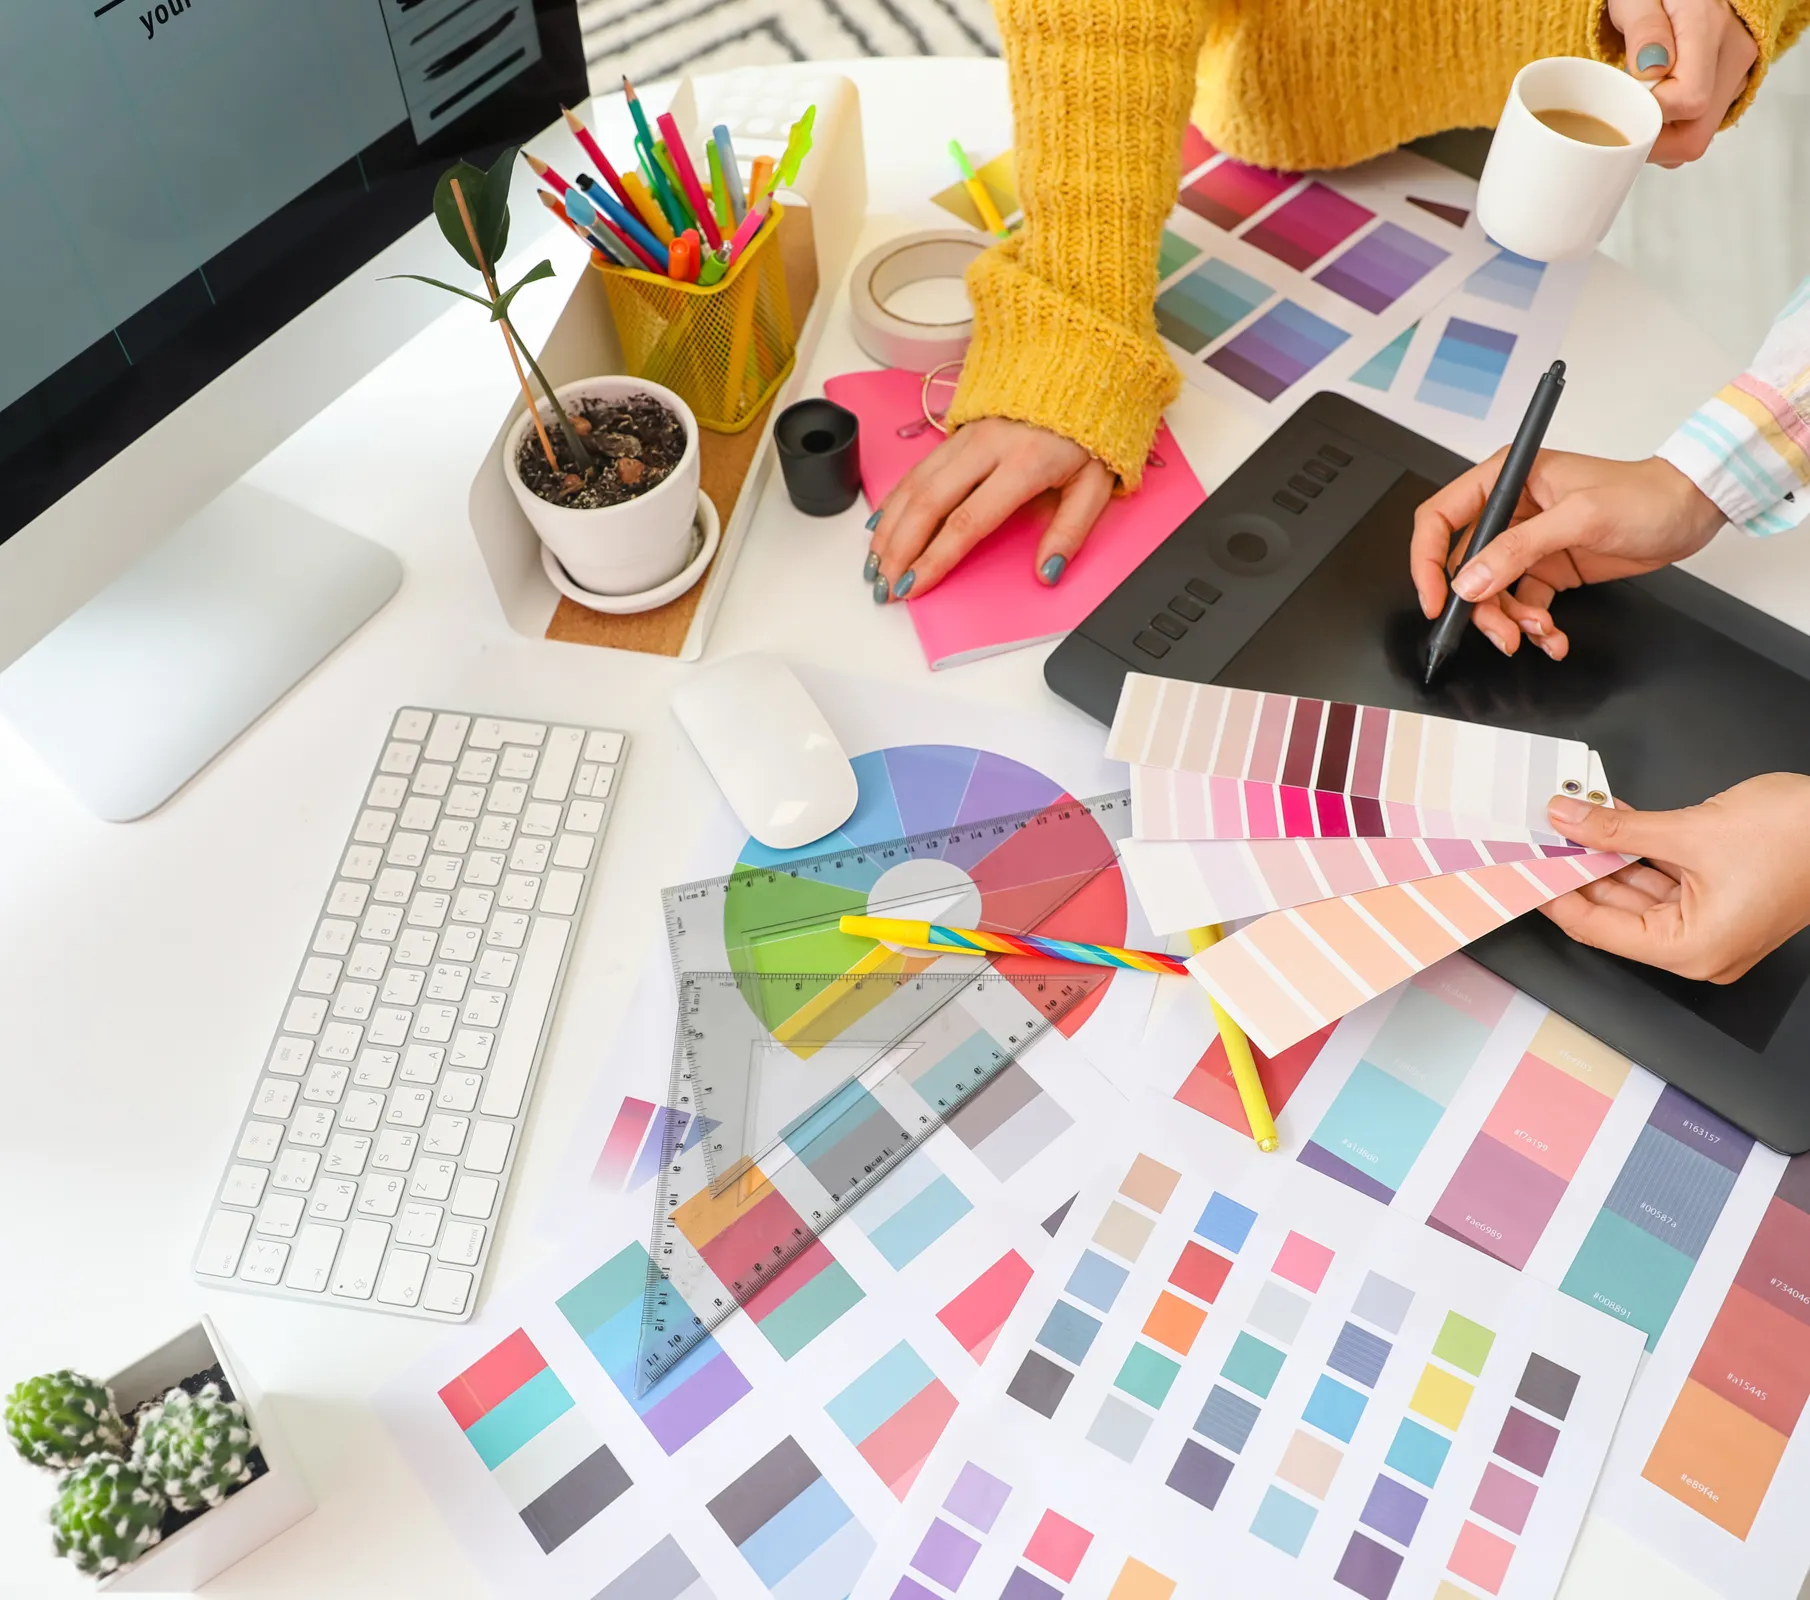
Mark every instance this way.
x=994 y=600
x=1058 y=1545
x=1303 y=1262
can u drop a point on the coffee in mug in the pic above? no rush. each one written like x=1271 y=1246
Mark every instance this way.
x=1572 y=139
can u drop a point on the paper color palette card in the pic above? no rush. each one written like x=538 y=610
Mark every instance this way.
x=994 y=601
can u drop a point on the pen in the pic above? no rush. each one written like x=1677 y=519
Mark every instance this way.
x=688 y=180
x=732 y=174
x=719 y=190
x=1498 y=510
x=595 y=219
x=990 y=218
x=1238 y=1057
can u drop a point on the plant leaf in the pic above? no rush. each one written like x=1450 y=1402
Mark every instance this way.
x=490 y=213
x=534 y=274
x=446 y=209
x=475 y=299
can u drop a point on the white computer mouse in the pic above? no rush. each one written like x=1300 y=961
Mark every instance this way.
x=770 y=749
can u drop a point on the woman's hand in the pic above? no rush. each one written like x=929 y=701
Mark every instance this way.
x=1580 y=520
x=1698 y=53
x=1724 y=883
x=966 y=487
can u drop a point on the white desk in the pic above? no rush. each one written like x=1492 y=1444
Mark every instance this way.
x=116 y=1117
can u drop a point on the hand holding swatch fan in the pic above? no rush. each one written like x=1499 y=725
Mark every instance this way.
x=1367 y=843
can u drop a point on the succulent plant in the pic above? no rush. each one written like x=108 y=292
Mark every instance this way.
x=61 y=1418
x=193 y=1447
x=107 y=1513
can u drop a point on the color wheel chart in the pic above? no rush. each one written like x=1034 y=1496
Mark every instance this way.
x=1271 y=1391
x=1273 y=284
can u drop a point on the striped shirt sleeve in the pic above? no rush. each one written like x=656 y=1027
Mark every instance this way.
x=1748 y=449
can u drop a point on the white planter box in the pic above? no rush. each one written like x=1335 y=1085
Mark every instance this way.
x=250 y=1516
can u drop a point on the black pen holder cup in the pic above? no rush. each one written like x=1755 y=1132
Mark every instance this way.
x=820 y=456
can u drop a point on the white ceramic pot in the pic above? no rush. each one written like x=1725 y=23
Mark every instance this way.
x=623 y=549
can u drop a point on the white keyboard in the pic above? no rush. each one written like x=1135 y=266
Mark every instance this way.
x=371 y=1166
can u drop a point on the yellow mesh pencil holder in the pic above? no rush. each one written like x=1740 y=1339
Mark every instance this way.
x=723 y=350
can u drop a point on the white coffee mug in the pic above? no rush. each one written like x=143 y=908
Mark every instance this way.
x=1550 y=197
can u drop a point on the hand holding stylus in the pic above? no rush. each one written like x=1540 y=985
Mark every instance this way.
x=1580 y=520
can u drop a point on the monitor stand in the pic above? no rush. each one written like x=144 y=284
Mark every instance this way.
x=136 y=692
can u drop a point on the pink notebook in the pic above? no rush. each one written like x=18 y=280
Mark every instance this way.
x=993 y=601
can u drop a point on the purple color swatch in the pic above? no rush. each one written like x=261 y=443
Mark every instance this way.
x=1526 y=1441
x=1342 y=1171
x=1504 y=1498
x=1498 y=1202
x=1381 y=267
x=1023 y=1586
x=1393 y=1509
x=1699 y=1129
x=1277 y=350
x=1368 y=1568
x=911 y=1589
x=978 y=1497
x=1303 y=230
x=945 y=1554
x=696 y=1403
x=928 y=782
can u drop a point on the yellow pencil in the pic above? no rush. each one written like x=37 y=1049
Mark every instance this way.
x=651 y=214
x=977 y=192
x=1238 y=1054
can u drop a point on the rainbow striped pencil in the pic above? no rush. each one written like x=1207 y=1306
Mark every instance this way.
x=929 y=936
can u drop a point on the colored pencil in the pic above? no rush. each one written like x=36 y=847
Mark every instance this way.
x=647 y=207
x=930 y=936
x=669 y=175
x=719 y=192
x=732 y=174
x=671 y=206
x=634 y=110
x=609 y=249
x=1238 y=1056
x=640 y=243
x=990 y=218
x=758 y=180
x=545 y=173
x=624 y=220
x=595 y=151
x=688 y=178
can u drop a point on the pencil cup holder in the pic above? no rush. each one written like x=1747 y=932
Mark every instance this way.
x=725 y=349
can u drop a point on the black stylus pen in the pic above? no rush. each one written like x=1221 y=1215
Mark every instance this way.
x=1498 y=510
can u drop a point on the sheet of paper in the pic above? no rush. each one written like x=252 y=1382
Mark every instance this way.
x=1288 y=974
x=1189 y=884
x=994 y=600
x=1264 y=766
x=1274 y=284
x=1225 y=1371
x=1459 y=1103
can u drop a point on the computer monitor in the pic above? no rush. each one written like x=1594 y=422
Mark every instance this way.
x=201 y=199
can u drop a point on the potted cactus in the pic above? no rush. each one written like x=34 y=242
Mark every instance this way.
x=168 y=1484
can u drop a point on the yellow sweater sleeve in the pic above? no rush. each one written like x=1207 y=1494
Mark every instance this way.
x=1064 y=327
x=1774 y=24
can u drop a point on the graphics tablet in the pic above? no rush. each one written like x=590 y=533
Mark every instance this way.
x=1293 y=578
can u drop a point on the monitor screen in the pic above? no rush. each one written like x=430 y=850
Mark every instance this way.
x=180 y=178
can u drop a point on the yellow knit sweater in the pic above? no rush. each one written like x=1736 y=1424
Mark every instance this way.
x=1064 y=330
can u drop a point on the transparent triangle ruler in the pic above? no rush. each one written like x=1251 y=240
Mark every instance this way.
x=798 y=1129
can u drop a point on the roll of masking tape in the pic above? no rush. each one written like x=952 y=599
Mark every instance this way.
x=900 y=341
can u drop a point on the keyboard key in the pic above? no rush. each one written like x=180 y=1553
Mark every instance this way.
x=508 y=929
x=380 y=1195
x=387 y=791
x=573 y=850
x=517 y=762
x=475 y=1197
x=310 y=1129
x=432 y=1180
x=562 y=892
x=276 y=1098
x=462 y=1243
x=488 y=1149
x=421 y=1063
x=441 y=872
x=375 y=1068
x=334 y=936
x=408 y=1108
x=446 y=1136
x=600 y=784
x=447 y=982
x=361 y=1111
x=448 y=737
x=477 y=766
x=354 y=1001
x=327 y=1082
x=1335 y=455
x=412 y=724
x=332 y=1200
x=432 y=780
x=435 y=1023
x=555 y=775
x=279 y=1215
x=428 y=910
x=507 y=798
x=304 y=1015
x=584 y=816
x=403 y=986
x=226 y=1232
x=458 y=1091
x=361 y=863
x=395 y=1150
x=484 y=868
x=459 y=944
x=418 y=1225
x=541 y=820
x=1319 y=469
x=1152 y=644
x=1306 y=486
x=290 y=1056
x=374 y=827
x=519 y=892
x=453 y=836
x=355 y=1275
x=264 y=1261
x=320 y=975
x=447 y=1290
x=403 y=1273
x=530 y=856
x=340 y=1041
x=520 y=1038
x=260 y=1141
x=1187 y=607
x=244 y=1185
x=483 y=1008
x=1174 y=627
x=497 y=967
x=471 y=1049
x=389 y=1026
x=381 y=922
x=495 y=833
x=465 y=800
x=346 y=1154
x=488 y=733
x=312 y=1258
x=603 y=747
x=393 y=887
x=407 y=850
x=348 y=899
x=472 y=905
x=415 y=947
x=1289 y=501
x=367 y=961
x=400 y=757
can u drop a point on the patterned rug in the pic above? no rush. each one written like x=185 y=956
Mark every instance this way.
x=651 y=39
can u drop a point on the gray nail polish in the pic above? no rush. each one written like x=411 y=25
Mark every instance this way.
x=881 y=593
x=903 y=586
x=1051 y=571
x=873 y=521
x=872 y=569
x=1652 y=55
